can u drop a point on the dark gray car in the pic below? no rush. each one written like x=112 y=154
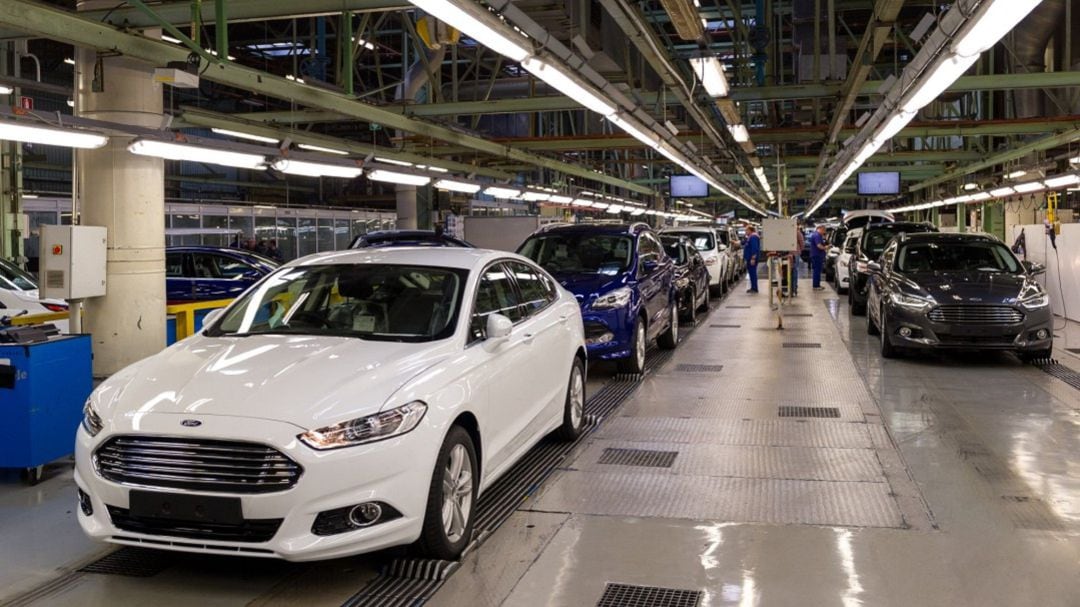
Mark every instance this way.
x=965 y=291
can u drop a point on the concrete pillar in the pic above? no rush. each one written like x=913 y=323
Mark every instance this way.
x=126 y=194
x=406 y=206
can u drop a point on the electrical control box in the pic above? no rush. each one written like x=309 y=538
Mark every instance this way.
x=72 y=262
x=778 y=234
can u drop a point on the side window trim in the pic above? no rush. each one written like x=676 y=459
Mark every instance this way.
x=470 y=340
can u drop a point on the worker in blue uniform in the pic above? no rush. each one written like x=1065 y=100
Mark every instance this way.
x=751 y=253
x=818 y=249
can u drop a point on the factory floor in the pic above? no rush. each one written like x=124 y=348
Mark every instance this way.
x=751 y=467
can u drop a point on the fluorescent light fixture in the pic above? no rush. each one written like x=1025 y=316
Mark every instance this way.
x=315 y=169
x=70 y=138
x=400 y=163
x=637 y=212
x=294 y=78
x=69 y=60
x=240 y=135
x=568 y=86
x=389 y=176
x=614 y=209
x=1031 y=186
x=454 y=14
x=981 y=196
x=710 y=71
x=428 y=167
x=364 y=43
x=971 y=186
x=581 y=202
x=992 y=25
x=561 y=199
x=649 y=138
x=29 y=196
x=1062 y=181
x=318 y=148
x=1016 y=174
x=70 y=102
x=457 y=186
x=999 y=192
x=739 y=132
x=165 y=38
x=931 y=85
x=196 y=153
x=892 y=126
x=600 y=205
x=6 y=90
x=536 y=196
x=500 y=192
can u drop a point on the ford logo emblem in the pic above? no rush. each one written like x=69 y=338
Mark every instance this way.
x=191 y=423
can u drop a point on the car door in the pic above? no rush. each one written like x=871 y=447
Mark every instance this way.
x=504 y=367
x=210 y=282
x=651 y=285
x=876 y=280
x=179 y=282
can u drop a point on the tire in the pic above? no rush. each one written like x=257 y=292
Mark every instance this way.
x=444 y=535
x=669 y=339
x=574 y=410
x=887 y=349
x=857 y=308
x=871 y=328
x=635 y=363
x=1034 y=355
x=691 y=307
x=705 y=301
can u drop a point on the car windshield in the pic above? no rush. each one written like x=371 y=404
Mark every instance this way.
x=874 y=241
x=370 y=301
x=702 y=241
x=22 y=280
x=956 y=257
x=606 y=254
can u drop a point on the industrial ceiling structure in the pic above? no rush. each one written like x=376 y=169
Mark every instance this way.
x=769 y=101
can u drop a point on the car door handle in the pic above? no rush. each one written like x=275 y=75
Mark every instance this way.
x=564 y=318
x=528 y=338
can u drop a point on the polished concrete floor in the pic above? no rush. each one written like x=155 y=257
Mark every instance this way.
x=936 y=480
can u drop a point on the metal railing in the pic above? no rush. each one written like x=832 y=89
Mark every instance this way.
x=184 y=314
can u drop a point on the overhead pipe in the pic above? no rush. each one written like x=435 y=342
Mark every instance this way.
x=1030 y=39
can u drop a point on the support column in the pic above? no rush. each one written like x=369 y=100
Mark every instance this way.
x=126 y=194
x=406 y=207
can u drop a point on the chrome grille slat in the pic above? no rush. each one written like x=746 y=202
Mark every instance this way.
x=976 y=314
x=211 y=465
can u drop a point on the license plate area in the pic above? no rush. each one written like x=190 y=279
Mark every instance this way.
x=185 y=508
x=979 y=331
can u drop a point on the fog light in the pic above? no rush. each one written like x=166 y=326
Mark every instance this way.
x=85 y=504
x=904 y=332
x=1042 y=334
x=600 y=339
x=365 y=514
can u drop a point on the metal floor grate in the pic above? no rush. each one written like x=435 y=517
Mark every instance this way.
x=132 y=562
x=725 y=326
x=824 y=412
x=638 y=457
x=798 y=315
x=1061 y=372
x=697 y=368
x=737 y=307
x=791 y=344
x=629 y=595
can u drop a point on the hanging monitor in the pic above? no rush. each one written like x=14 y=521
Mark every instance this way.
x=688 y=186
x=879 y=184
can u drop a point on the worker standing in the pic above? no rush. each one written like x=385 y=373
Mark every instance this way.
x=818 y=248
x=751 y=252
x=796 y=257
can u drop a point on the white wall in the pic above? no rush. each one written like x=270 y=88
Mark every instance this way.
x=1062 y=266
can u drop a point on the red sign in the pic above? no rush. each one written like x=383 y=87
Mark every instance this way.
x=26 y=103
x=57 y=249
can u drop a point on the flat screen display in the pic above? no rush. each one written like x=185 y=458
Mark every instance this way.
x=688 y=186
x=879 y=184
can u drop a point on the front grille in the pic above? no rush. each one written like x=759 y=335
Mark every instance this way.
x=976 y=315
x=594 y=330
x=976 y=340
x=195 y=464
x=252 y=530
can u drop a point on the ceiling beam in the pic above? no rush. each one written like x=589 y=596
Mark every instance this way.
x=47 y=22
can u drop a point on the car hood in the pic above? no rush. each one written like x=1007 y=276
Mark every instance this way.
x=970 y=287
x=587 y=285
x=307 y=381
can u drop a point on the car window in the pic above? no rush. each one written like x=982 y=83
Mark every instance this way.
x=702 y=241
x=874 y=240
x=495 y=294
x=675 y=251
x=957 y=257
x=849 y=244
x=725 y=238
x=572 y=253
x=649 y=248
x=380 y=302
x=535 y=288
x=205 y=265
x=174 y=265
x=234 y=268
x=19 y=279
x=888 y=256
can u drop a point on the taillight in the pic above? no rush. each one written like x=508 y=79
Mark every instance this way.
x=55 y=307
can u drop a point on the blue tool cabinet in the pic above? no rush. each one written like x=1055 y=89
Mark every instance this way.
x=43 y=387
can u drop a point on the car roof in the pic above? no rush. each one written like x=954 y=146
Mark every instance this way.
x=867 y=214
x=688 y=229
x=443 y=257
x=949 y=237
x=896 y=226
x=244 y=253
x=393 y=236
x=593 y=228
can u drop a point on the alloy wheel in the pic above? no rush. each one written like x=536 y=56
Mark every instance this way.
x=577 y=397
x=457 y=493
x=639 y=346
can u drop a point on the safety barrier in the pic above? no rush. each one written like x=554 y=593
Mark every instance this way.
x=185 y=319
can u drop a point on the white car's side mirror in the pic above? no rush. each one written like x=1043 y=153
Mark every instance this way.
x=212 y=316
x=834 y=251
x=723 y=247
x=498 y=327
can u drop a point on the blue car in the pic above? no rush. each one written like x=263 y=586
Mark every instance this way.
x=197 y=273
x=623 y=279
x=406 y=238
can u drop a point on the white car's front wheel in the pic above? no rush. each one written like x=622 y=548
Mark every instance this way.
x=448 y=519
x=574 y=411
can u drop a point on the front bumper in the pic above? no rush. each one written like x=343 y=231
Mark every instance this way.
x=927 y=334
x=609 y=334
x=396 y=472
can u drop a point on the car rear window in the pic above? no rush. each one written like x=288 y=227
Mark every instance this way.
x=702 y=241
x=875 y=239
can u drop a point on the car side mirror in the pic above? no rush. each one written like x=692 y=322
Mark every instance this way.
x=212 y=316
x=874 y=266
x=498 y=327
x=1033 y=268
x=834 y=251
x=649 y=266
x=722 y=248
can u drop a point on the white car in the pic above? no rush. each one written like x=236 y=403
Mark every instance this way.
x=19 y=295
x=842 y=275
x=704 y=239
x=348 y=402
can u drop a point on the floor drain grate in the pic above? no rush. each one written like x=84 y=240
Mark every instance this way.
x=638 y=457
x=725 y=326
x=798 y=315
x=1073 y=350
x=629 y=595
x=792 y=344
x=132 y=562
x=695 y=368
x=737 y=307
x=825 y=412
x=1061 y=372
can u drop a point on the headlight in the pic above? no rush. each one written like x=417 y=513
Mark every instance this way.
x=1034 y=303
x=91 y=421
x=618 y=298
x=910 y=301
x=379 y=426
x=682 y=282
